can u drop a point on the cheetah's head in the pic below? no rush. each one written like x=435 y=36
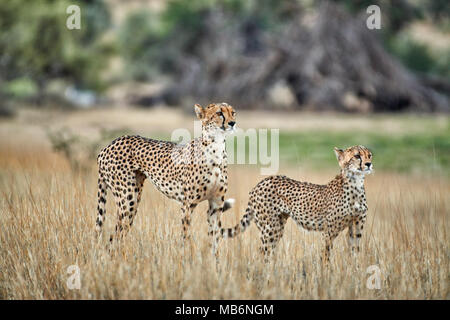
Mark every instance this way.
x=355 y=160
x=217 y=117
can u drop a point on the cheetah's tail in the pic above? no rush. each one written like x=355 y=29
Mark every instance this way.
x=228 y=204
x=101 y=206
x=240 y=227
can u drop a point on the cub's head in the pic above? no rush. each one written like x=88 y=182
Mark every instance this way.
x=217 y=116
x=357 y=159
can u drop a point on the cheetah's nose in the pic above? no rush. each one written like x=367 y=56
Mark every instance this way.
x=231 y=123
x=368 y=164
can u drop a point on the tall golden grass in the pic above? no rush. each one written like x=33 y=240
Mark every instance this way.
x=47 y=215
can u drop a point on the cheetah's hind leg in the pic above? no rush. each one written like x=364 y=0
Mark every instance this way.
x=271 y=232
x=127 y=194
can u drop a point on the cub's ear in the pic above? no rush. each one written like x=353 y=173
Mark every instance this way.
x=199 y=111
x=339 y=153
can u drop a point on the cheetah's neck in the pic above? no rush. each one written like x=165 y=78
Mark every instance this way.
x=354 y=192
x=348 y=183
x=356 y=181
x=214 y=145
x=352 y=181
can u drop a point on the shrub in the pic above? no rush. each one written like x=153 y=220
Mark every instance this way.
x=38 y=46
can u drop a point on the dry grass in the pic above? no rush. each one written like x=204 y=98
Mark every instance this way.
x=47 y=215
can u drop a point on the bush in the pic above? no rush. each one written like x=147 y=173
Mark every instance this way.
x=418 y=57
x=21 y=88
x=78 y=150
x=159 y=43
x=138 y=39
x=38 y=46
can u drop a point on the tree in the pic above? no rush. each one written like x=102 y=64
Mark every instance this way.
x=36 y=45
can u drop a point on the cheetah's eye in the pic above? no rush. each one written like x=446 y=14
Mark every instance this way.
x=219 y=113
x=357 y=156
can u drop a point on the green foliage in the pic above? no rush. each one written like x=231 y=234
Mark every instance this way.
x=38 y=45
x=155 y=43
x=418 y=57
x=152 y=43
x=438 y=10
x=139 y=37
x=22 y=88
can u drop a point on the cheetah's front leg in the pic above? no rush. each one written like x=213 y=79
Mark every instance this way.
x=355 y=232
x=359 y=225
x=214 y=214
x=329 y=235
x=186 y=220
x=328 y=246
x=351 y=236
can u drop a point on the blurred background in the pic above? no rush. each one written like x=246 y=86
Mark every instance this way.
x=306 y=67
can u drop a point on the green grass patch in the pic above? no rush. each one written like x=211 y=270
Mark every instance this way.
x=425 y=152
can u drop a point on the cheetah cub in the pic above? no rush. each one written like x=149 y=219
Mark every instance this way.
x=188 y=173
x=327 y=208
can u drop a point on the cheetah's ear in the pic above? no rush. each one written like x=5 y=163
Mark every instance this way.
x=199 y=111
x=339 y=153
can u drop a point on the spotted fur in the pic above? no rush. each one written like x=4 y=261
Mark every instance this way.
x=188 y=174
x=329 y=208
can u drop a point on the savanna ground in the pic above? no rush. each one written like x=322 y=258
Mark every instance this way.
x=48 y=210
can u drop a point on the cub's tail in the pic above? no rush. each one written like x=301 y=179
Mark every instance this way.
x=240 y=227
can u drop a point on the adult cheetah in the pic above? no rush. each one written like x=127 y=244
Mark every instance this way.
x=188 y=173
x=327 y=208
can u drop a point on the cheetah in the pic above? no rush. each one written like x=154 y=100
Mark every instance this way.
x=187 y=173
x=327 y=208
